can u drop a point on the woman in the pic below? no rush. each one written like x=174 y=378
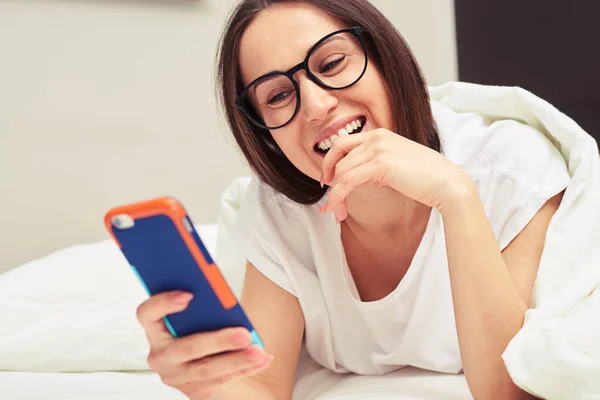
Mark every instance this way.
x=384 y=231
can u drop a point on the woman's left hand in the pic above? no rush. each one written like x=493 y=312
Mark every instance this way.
x=388 y=159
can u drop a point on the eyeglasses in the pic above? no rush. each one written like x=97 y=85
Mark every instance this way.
x=335 y=62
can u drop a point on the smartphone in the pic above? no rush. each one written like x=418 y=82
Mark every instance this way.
x=158 y=239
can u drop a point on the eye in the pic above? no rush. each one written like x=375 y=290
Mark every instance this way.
x=278 y=98
x=331 y=64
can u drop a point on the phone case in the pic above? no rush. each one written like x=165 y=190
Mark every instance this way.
x=165 y=252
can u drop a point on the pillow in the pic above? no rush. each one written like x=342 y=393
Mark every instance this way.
x=74 y=310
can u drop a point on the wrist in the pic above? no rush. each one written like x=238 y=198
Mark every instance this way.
x=459 y=196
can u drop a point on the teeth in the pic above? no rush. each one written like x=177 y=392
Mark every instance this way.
x=345 y=131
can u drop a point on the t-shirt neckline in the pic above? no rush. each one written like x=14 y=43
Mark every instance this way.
x=415 y=265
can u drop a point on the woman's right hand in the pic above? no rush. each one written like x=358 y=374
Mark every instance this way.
x=200 y=364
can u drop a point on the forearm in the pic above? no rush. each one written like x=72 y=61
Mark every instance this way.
x=247 y=388
x=489 y=309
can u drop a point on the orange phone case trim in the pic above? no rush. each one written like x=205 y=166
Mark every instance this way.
x=172 y=209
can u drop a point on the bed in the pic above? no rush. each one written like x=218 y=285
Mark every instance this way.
x=69 y=332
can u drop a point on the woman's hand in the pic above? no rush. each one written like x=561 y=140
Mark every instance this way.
x=387 y=159
x=198 y=365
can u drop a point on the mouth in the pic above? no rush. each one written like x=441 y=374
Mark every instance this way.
x=352 y=128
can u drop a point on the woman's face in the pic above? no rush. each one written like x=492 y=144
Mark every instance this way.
x=278 y=39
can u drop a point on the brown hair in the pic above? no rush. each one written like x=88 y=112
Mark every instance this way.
x=387 y=49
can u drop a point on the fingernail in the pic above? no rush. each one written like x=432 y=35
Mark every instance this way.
x=182 y=297
x=338 y=219
x=268 y=358
x=241 y=338
x=323 y=208
x=256 y=357
x=321 y=180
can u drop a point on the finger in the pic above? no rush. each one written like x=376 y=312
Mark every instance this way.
x=348 y=182
x=216 y=367
x=341 y=147
x=151 y=312
x=200 y=345
x=357 y=156
x=353 y=159
x=200 y=389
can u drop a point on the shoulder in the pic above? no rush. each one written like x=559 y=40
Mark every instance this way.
x=262 y=201
x=270 y=231
x=271 y=218
x=515 y=167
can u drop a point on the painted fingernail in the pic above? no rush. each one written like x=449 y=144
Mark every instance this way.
x=323 y=208
x=338 y=219
x=241 y=338
x=182 y=297
x=256 y=356
x=268 y=358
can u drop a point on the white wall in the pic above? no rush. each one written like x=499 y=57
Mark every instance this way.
x=106 y=102
x=428 y=27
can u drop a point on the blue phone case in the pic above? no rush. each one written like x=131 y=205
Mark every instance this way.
x=161 y=260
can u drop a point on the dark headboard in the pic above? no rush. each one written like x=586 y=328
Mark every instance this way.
x=549 y=47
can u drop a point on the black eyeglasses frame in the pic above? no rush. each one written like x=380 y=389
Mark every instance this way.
x=356 y=30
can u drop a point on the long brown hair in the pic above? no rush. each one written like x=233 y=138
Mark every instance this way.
x=386 y=48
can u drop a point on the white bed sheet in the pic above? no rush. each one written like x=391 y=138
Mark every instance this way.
x=400 y=385
x=313 y=383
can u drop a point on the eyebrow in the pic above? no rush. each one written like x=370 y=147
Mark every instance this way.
x=324 y=42
x=265 y=80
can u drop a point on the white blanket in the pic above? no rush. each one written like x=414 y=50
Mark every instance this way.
x=556 y=355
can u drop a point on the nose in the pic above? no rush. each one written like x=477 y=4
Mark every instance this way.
x=315 y=102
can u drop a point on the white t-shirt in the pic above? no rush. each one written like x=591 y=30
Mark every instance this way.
x=516 y=169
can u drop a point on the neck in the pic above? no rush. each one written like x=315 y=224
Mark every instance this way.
x=384 y=212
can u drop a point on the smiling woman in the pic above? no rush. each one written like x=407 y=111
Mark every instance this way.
x=440 y=217
x=362 y=49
